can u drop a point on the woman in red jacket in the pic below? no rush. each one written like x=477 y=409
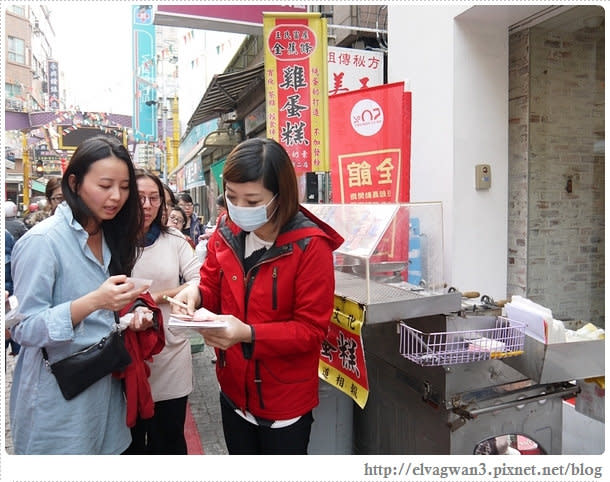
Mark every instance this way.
x=269 y=273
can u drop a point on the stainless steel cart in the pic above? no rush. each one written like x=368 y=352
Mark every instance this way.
x=449 y=407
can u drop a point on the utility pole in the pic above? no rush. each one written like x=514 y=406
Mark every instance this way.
x=25 y=156
x=164 y=136
x=175 y=132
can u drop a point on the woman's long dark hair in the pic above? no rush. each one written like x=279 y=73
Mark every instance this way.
x=143 y=173
x=121 y=232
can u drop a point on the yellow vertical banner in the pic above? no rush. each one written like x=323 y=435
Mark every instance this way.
x=342 y=363
x=296 y=86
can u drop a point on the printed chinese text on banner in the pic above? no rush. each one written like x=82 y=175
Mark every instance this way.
x=53 y=68
x=370 y=144
x=342 y=362
x=296 y=87
x=353 y=69
x=370 y=150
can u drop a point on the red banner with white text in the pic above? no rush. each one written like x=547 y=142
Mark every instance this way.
x=370 y=145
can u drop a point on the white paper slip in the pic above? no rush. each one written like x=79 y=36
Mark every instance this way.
x=200 y=315
x=190 y=323
x=140 y=283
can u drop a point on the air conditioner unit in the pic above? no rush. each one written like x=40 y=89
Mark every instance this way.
x=229 y=116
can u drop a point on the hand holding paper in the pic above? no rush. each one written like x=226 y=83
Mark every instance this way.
x=202 y=318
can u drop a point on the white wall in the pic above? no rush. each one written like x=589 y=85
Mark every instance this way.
x=455 y=62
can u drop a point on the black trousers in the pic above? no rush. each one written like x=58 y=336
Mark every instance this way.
x=245 y=438
x=164 y=433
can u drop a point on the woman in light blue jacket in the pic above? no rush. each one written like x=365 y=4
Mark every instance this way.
x=70 y=275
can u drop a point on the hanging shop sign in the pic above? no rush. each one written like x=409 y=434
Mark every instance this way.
x=353 y=69
x=216 y=169
x=179 y=176
x=296 y=87
x=342 y=362
x=144 y=77
x=70 y=137
x=370 y=145
x=193 y=142
x=53 y=69
x=222 y=18
x=193 y=174
x=255 y=119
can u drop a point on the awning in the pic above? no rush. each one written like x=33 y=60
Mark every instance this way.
x=225 y=93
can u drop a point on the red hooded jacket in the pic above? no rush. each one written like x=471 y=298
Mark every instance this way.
x=288 y=298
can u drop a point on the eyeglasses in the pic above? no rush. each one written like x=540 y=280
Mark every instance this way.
x=57 y=199
x=153 y=200
x=176 y=219
x=185 y=205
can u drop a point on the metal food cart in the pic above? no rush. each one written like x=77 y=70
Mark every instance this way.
x=434 y=389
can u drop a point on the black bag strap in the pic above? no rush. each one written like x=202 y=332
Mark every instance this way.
x=45 y=355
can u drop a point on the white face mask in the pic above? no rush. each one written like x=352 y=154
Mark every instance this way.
x=249 y=218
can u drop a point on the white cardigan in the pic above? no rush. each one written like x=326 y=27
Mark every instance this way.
x=170 y=261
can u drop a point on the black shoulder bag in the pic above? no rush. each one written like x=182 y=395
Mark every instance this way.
x=85 y=367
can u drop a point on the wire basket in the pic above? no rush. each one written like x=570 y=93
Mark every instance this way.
x=504 y=340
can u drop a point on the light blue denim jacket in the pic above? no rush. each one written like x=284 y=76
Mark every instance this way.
x=52 y=266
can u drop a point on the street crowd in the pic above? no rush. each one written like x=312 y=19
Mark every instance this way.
x=104 y=268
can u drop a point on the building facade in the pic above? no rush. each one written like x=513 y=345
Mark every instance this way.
x=498 y=85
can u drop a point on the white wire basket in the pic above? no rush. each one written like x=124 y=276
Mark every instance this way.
x=505 y=339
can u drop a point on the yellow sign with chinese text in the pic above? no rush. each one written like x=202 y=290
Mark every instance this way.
x=342 y=362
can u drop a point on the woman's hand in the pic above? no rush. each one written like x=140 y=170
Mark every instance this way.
x=190 y=296
x=223 y=338
x=113 y=294
x=117 y=292
x=142 y=319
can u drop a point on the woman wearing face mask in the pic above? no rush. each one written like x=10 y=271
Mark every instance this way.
x=269 y=274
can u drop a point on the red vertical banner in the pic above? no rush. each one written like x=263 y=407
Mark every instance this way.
x=296 y=87
x=370 y=145
x=370 y=153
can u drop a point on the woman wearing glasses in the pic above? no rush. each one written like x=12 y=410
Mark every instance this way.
x=167 y=258
x=177 y=219
x=53 y=194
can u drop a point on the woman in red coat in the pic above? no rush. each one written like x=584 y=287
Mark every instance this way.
x=269 y=273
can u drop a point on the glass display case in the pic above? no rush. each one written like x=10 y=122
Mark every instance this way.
x=388 y=245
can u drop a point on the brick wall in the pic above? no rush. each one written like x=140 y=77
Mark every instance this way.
x=556 y=175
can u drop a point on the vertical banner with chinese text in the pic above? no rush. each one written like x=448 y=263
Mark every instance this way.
x=370 y=145
x=342 y=362
x=370 y=152
x=53 y=70
x=144 y=75
x=296 y=87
